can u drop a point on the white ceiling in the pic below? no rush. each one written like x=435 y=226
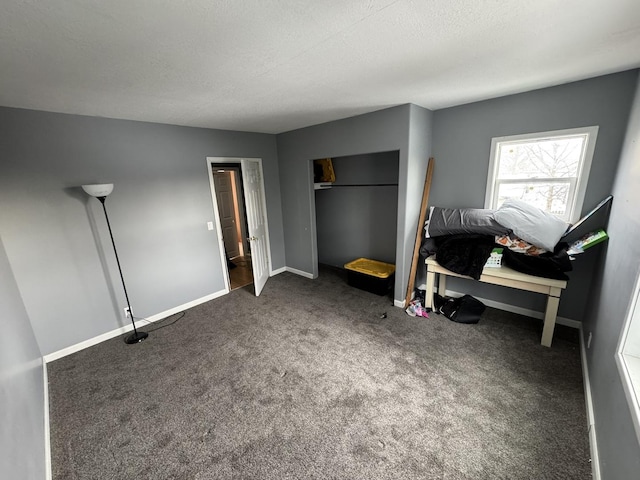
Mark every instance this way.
x=276 y=65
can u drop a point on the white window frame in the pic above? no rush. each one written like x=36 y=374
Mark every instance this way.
x=576 y=190
x=628 y=357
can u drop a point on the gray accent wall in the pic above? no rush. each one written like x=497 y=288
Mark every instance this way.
x=462 y=142
x=56 y=237
x=22 y=430
x=385 y=130
x=611 y=295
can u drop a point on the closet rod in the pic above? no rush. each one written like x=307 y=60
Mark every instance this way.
x=367 y=185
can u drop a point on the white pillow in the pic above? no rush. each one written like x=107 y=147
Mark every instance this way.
x=533 y=225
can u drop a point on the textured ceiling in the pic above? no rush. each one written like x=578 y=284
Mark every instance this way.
x=276 y=65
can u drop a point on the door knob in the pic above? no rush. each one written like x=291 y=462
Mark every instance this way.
x=252 y=238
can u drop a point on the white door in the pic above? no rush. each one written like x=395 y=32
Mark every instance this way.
x=256 y=221
x=227 y=212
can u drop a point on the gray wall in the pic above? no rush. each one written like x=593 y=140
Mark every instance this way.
x=358 y=216
x=55 y=236
x=380 y=131
x=462 y=141
x=21 y=385
x=610 y=298
x=420 y=145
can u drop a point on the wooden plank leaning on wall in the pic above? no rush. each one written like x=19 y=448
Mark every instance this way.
x=420 y=232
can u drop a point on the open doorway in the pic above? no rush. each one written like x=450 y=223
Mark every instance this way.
x=244 y=206
x=227 y=180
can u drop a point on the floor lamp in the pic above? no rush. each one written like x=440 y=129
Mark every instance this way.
x=100 y=191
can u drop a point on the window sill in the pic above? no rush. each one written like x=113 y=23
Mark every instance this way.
x=629 y=367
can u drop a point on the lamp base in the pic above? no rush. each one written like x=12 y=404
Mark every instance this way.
x=136 y=337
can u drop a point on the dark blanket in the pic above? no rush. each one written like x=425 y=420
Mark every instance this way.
x=464 y=254
x=548 y=265
x=467 y=255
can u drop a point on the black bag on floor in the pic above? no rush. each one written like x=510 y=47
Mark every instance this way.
x=465 y=309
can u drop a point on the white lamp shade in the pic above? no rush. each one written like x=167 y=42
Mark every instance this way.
x=98 y=190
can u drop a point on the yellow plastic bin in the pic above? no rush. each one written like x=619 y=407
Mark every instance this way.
x=370 y=275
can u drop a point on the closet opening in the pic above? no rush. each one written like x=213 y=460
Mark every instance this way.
x=227 y=179
x=356 y=214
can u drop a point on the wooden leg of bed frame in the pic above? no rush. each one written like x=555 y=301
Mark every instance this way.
x=442 y=284
x=549 y=320
x=428 y=295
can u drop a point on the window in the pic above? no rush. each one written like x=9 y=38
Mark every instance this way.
x=628 y=357
x=548 y=170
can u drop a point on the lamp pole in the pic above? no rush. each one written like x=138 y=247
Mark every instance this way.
x=136 y=336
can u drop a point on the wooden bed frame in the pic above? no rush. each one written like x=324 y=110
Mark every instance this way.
x=505 y=277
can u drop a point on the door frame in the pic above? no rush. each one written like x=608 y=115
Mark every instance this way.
x=216 y=215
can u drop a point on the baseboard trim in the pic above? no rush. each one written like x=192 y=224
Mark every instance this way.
x=277 y=271
x=568 y=322
x=127 y=328
x=593 y=443
x=47 y=427
x=398 y=303
x=180 y=308
x=299 y=272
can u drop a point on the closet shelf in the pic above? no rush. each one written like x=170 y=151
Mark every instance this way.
x=327 y=185
x=367 y=185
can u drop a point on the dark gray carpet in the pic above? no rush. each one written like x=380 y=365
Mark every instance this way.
x=308 y=381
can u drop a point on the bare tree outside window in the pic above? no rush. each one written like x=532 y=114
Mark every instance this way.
x=544 y=171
